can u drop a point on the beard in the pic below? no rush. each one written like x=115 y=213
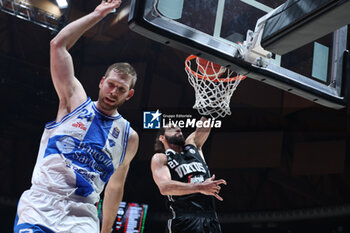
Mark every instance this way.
x=176 y=140
x=109 y=107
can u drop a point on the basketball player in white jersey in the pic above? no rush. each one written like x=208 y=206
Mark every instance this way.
x=181 y=173
x=87 y=146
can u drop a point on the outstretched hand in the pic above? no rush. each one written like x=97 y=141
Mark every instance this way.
x=106 y=6
x=212 y=187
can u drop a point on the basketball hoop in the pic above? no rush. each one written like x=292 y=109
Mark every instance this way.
x=213 y=85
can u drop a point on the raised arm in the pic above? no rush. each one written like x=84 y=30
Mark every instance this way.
x=70 y=92
x=167 y=186
x=115 y=188
x=199 y=136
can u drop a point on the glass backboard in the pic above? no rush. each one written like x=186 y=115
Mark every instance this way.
x=213 y=29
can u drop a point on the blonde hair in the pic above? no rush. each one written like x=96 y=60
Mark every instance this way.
x=123 y=68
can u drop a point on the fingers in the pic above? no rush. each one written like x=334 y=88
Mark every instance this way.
x=218 y=197
x=114 y=2
x=218 y=182
x=215 y=192
x=221 y=181
x=210 y=179
x=212 y=187
x=218 y=188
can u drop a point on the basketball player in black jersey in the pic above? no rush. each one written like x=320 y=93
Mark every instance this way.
x=181 y=173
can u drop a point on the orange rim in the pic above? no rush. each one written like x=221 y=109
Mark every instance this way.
x=192 y=57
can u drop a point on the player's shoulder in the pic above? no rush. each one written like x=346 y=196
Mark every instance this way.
x=159 y=157
x=127 y=127
x=133 y=133
x=133 y=137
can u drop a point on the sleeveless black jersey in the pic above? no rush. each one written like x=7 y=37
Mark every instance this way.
x=189 y=167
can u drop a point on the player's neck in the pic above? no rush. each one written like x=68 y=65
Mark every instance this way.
x=112 y=112
x=176 y=148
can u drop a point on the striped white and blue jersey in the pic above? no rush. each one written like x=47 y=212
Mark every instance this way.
x=78 y=154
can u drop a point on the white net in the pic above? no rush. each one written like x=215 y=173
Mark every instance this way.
x=213 y=87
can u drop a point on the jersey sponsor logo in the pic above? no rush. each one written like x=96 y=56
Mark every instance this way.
x=195 y=179
x=88 y=176
x=192 y=151
x=87 y=151
x=189 y=149
x=82 y=155
x=111 y=142
x=79 y=125
x=185 y=169
x=115 y=132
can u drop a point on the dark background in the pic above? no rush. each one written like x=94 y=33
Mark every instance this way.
x=286 y=160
